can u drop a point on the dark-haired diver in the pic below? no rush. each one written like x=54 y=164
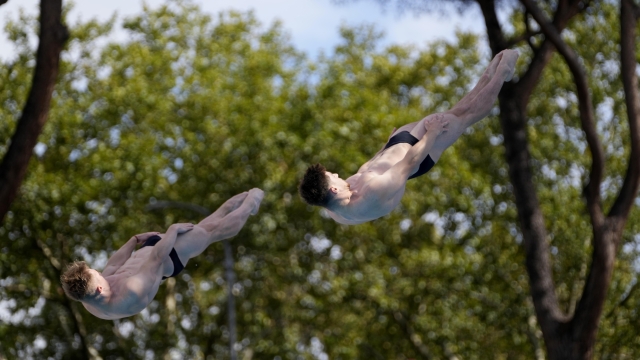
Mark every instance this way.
x=377 y=188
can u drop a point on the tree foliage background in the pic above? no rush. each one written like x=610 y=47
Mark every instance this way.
x=196 y=108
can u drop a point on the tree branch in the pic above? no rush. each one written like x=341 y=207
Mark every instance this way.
x=624 y=300
x=636 y=10
x=496 y=37
x=412 y=335
x=606 y=234
x=14 y=166
x=628 y=23
x=90 y=351
x=513 y=99
x=528 y=32
x=565 y=11
x=607 y=241
x=47 y=252
x=592 y=190
x=526 y=36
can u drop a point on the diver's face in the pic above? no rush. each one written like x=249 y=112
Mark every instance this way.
x=336 y=184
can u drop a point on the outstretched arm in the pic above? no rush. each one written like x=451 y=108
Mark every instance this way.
x=124 y=253
x=120 y=257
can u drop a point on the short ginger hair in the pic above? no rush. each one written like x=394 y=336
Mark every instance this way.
x=314 y=186
x=75 y=280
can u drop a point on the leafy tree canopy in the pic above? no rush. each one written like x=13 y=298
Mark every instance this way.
x=196 y=108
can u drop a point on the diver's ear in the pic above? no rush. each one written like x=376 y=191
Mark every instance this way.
x=333 y=189
x=99 y=289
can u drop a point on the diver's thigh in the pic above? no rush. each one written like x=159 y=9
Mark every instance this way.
x=192 y=243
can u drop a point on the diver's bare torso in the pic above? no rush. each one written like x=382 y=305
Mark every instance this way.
x=132 y=288
x=364 y=204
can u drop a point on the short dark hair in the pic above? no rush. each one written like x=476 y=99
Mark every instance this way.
x=314 y=186
x=75 y=280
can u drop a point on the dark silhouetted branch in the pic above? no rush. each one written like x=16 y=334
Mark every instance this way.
x=496 y=37
x=14 y=165
x=565 y=11
x=606 y=232
x=526 y=36
x=628 y=24
x=586 y=110
x=513 y=99
x=89 y=351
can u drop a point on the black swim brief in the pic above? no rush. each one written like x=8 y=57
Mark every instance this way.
x=405 y=137
x=177 y=265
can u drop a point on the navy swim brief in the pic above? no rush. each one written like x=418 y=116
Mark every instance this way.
x=177 y=265
x=405 y=137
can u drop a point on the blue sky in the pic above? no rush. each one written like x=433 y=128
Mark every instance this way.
x=312 y=24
